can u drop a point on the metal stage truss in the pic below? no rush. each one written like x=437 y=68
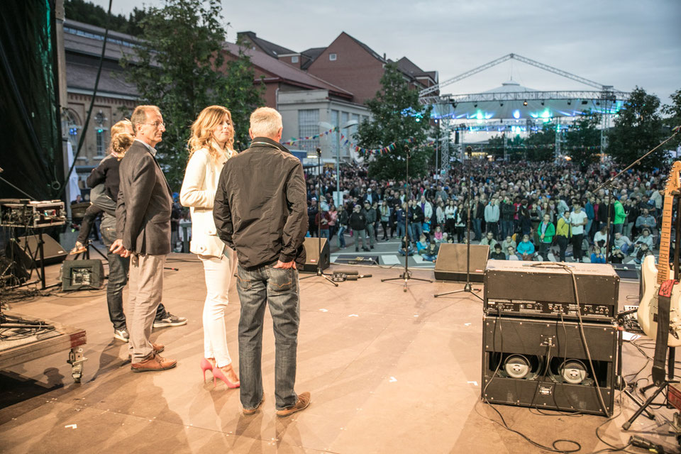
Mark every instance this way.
x=516 y=108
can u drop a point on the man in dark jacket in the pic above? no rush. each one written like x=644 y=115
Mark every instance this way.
x=358 y=224
x=370 y=213
x=143 y=229
x=260 y=211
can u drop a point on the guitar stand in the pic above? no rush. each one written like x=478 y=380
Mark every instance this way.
x=663 y=386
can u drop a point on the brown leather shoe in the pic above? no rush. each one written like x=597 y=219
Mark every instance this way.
x=251 y=411
x=153 y=363
x=302 y=404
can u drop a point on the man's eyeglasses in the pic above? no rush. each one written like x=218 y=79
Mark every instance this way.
x=156 y=124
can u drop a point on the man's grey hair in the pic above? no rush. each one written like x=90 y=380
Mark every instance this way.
x=265 y=122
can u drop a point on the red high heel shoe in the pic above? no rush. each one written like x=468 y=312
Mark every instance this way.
x=205 y=365
x=217 y=373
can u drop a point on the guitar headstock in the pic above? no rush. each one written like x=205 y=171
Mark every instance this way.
x=673 y=183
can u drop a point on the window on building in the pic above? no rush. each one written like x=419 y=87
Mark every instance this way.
x=100 y=130
x=308 y=126
x=333 y=57
x=294 y=59
x=101 y=142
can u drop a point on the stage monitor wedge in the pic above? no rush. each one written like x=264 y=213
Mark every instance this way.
x=451 y=262
x=27 y=246
x=312 y=254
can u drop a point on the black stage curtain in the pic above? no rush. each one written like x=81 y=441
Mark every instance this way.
x=30 y=136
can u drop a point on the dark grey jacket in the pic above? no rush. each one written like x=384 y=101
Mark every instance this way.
x=260 y=207
x=144 y=203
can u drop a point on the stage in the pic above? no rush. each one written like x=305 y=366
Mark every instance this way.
x=389 y=372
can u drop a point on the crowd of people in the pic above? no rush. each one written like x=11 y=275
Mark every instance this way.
x=524 y=211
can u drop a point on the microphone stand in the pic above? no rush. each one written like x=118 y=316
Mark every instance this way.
x=468 y=287
x=320 y=271
x=406 y=275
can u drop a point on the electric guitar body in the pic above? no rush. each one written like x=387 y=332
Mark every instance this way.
x=647 y=309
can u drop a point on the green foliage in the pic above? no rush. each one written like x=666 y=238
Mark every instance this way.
x=89 y=13
x=541 y=145
x=581 y=138
x=182 y=70
x=672 y=113
x=495 y=146
x=515 y=148
x=637 y=130
x=391 y=123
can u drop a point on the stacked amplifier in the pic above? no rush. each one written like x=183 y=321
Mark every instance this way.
x=545 y=346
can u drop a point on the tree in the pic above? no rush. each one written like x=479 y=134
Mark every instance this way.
x=637 y=130
x=673 y=118
x=495 y=146
x=583 y=140
x=181 y=69
x=542 y=144
x=397 y=118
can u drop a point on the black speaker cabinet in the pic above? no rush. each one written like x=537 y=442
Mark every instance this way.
x=27 y=246
x=312 y=254
x=544 y=364
x=452 y=258
x=82 y=274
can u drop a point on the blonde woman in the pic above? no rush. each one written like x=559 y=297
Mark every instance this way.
x=210 y=145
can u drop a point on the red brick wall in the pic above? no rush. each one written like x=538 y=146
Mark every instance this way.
x=355 y=69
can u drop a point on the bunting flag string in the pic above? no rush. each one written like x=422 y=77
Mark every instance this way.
x=345 y=141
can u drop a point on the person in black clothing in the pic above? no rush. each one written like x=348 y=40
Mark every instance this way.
x=415 y=219
x=312 y=211
x=358 y=224
x=497 y=254
x=370 y=214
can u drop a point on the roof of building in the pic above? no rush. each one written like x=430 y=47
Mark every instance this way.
x=311 y=53
x=409 y=67
x=270 y=48
x=367 y=48
x=88 y=40
x=287 y=72
x=82 y=76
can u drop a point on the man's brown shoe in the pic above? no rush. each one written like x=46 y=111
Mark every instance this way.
x=251 y=411
x=153 y=363
x=302 y=404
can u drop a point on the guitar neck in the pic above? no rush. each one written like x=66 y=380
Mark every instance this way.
x=665 y=239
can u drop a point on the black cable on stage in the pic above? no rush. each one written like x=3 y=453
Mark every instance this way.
x=92 y=103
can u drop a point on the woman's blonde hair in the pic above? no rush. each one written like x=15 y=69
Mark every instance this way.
x=202 y=130
x=121 y=139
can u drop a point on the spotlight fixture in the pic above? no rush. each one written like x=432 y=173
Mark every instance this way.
x=454 y=104
x=584 y=102
x=501 y=104
x=542 y=103
x=475 y=105
x=524 y=103
x=569 y=102
x=598 y=103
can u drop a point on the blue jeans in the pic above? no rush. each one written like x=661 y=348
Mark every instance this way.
x=477 y=228
x=506 y=228
x=277 y=288
x=400 y=230
x=416 y=229
x=341 y=236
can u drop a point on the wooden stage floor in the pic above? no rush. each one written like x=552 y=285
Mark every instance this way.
x=389 y=372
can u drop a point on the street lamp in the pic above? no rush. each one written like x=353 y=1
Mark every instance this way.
x=327 y=127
